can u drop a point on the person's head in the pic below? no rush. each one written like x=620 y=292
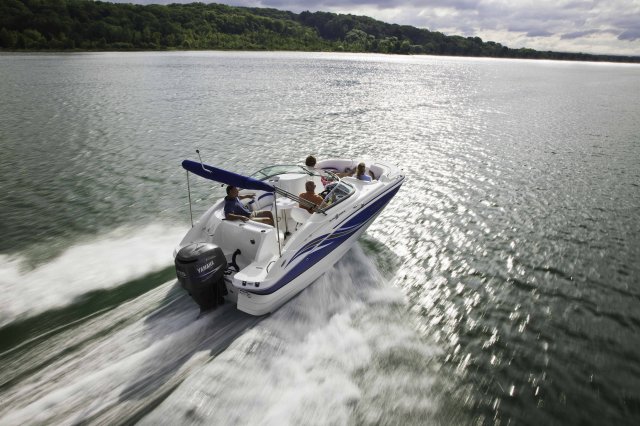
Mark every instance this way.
x=361 y=168
x=310 y=186
x=232 y=191
x=310 y=161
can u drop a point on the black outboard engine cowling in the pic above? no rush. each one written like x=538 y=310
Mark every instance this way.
x=200 y=269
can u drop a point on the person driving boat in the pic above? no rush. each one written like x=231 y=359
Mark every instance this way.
x=311 y=196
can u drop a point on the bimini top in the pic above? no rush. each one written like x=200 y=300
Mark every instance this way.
x=223 y=176
x=338 y=190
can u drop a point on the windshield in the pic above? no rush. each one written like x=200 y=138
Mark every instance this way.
x=281 y=169
x=340 y=192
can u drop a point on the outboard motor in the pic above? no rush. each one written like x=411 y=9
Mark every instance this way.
x=200 y=269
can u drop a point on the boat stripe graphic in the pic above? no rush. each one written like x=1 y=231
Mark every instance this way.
x=331 y=241
x=358 y=218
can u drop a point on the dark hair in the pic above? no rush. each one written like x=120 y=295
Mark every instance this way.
x=361 y=168
x=310 y=161
x=229 y=188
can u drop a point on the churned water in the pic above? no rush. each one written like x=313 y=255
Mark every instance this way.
x=500 y=286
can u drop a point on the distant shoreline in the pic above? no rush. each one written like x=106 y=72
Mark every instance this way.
x=87 y=26
x=634 y=61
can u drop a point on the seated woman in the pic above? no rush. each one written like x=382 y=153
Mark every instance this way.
x=234 y=210
x=360 y=173
x=310 y=196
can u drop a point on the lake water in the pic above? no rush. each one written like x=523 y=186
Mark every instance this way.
x=500 y=286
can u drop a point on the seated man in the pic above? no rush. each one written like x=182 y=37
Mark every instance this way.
x=234 y=210
x=310 y=196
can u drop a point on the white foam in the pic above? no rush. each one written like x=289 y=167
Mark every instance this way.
x=314 y=361
x=108 y=261
x=341 y=352
x=99 y=378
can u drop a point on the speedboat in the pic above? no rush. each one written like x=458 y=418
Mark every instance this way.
x=259 y=266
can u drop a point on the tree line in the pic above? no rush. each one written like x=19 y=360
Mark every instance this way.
x=96 y=25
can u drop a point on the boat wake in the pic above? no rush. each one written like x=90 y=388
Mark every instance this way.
x=335 y=352
x=115 y=366
x=109 y=261
x=330 y=354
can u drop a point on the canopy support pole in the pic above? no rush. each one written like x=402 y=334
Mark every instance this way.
x=275 y=206
x=189 y=191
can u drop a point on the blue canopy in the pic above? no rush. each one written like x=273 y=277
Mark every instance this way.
x=223 y=176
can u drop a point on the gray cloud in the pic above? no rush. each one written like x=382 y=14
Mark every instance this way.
x=579 y=34
x=586 y=33
x=630 y=35
x=539 y=33
x=630 y=25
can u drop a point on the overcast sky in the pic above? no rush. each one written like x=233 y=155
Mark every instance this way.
x=589 y=26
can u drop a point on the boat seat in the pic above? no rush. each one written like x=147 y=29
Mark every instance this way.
x=299 y=214
x=256 y=240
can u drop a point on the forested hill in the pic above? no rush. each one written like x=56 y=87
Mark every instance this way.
x=89 y=25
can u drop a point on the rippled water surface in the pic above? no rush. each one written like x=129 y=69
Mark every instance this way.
x=500 y=286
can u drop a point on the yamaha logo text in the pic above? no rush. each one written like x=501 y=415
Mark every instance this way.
x=206 y=266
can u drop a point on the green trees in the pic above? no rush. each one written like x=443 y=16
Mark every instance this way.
x=357 y=40
x=83 y=24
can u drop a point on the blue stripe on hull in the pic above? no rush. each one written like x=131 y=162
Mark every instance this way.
x=351 y=224
x=331 y=242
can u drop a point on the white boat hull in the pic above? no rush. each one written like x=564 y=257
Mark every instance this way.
x=261 y=304
x=271 y=272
